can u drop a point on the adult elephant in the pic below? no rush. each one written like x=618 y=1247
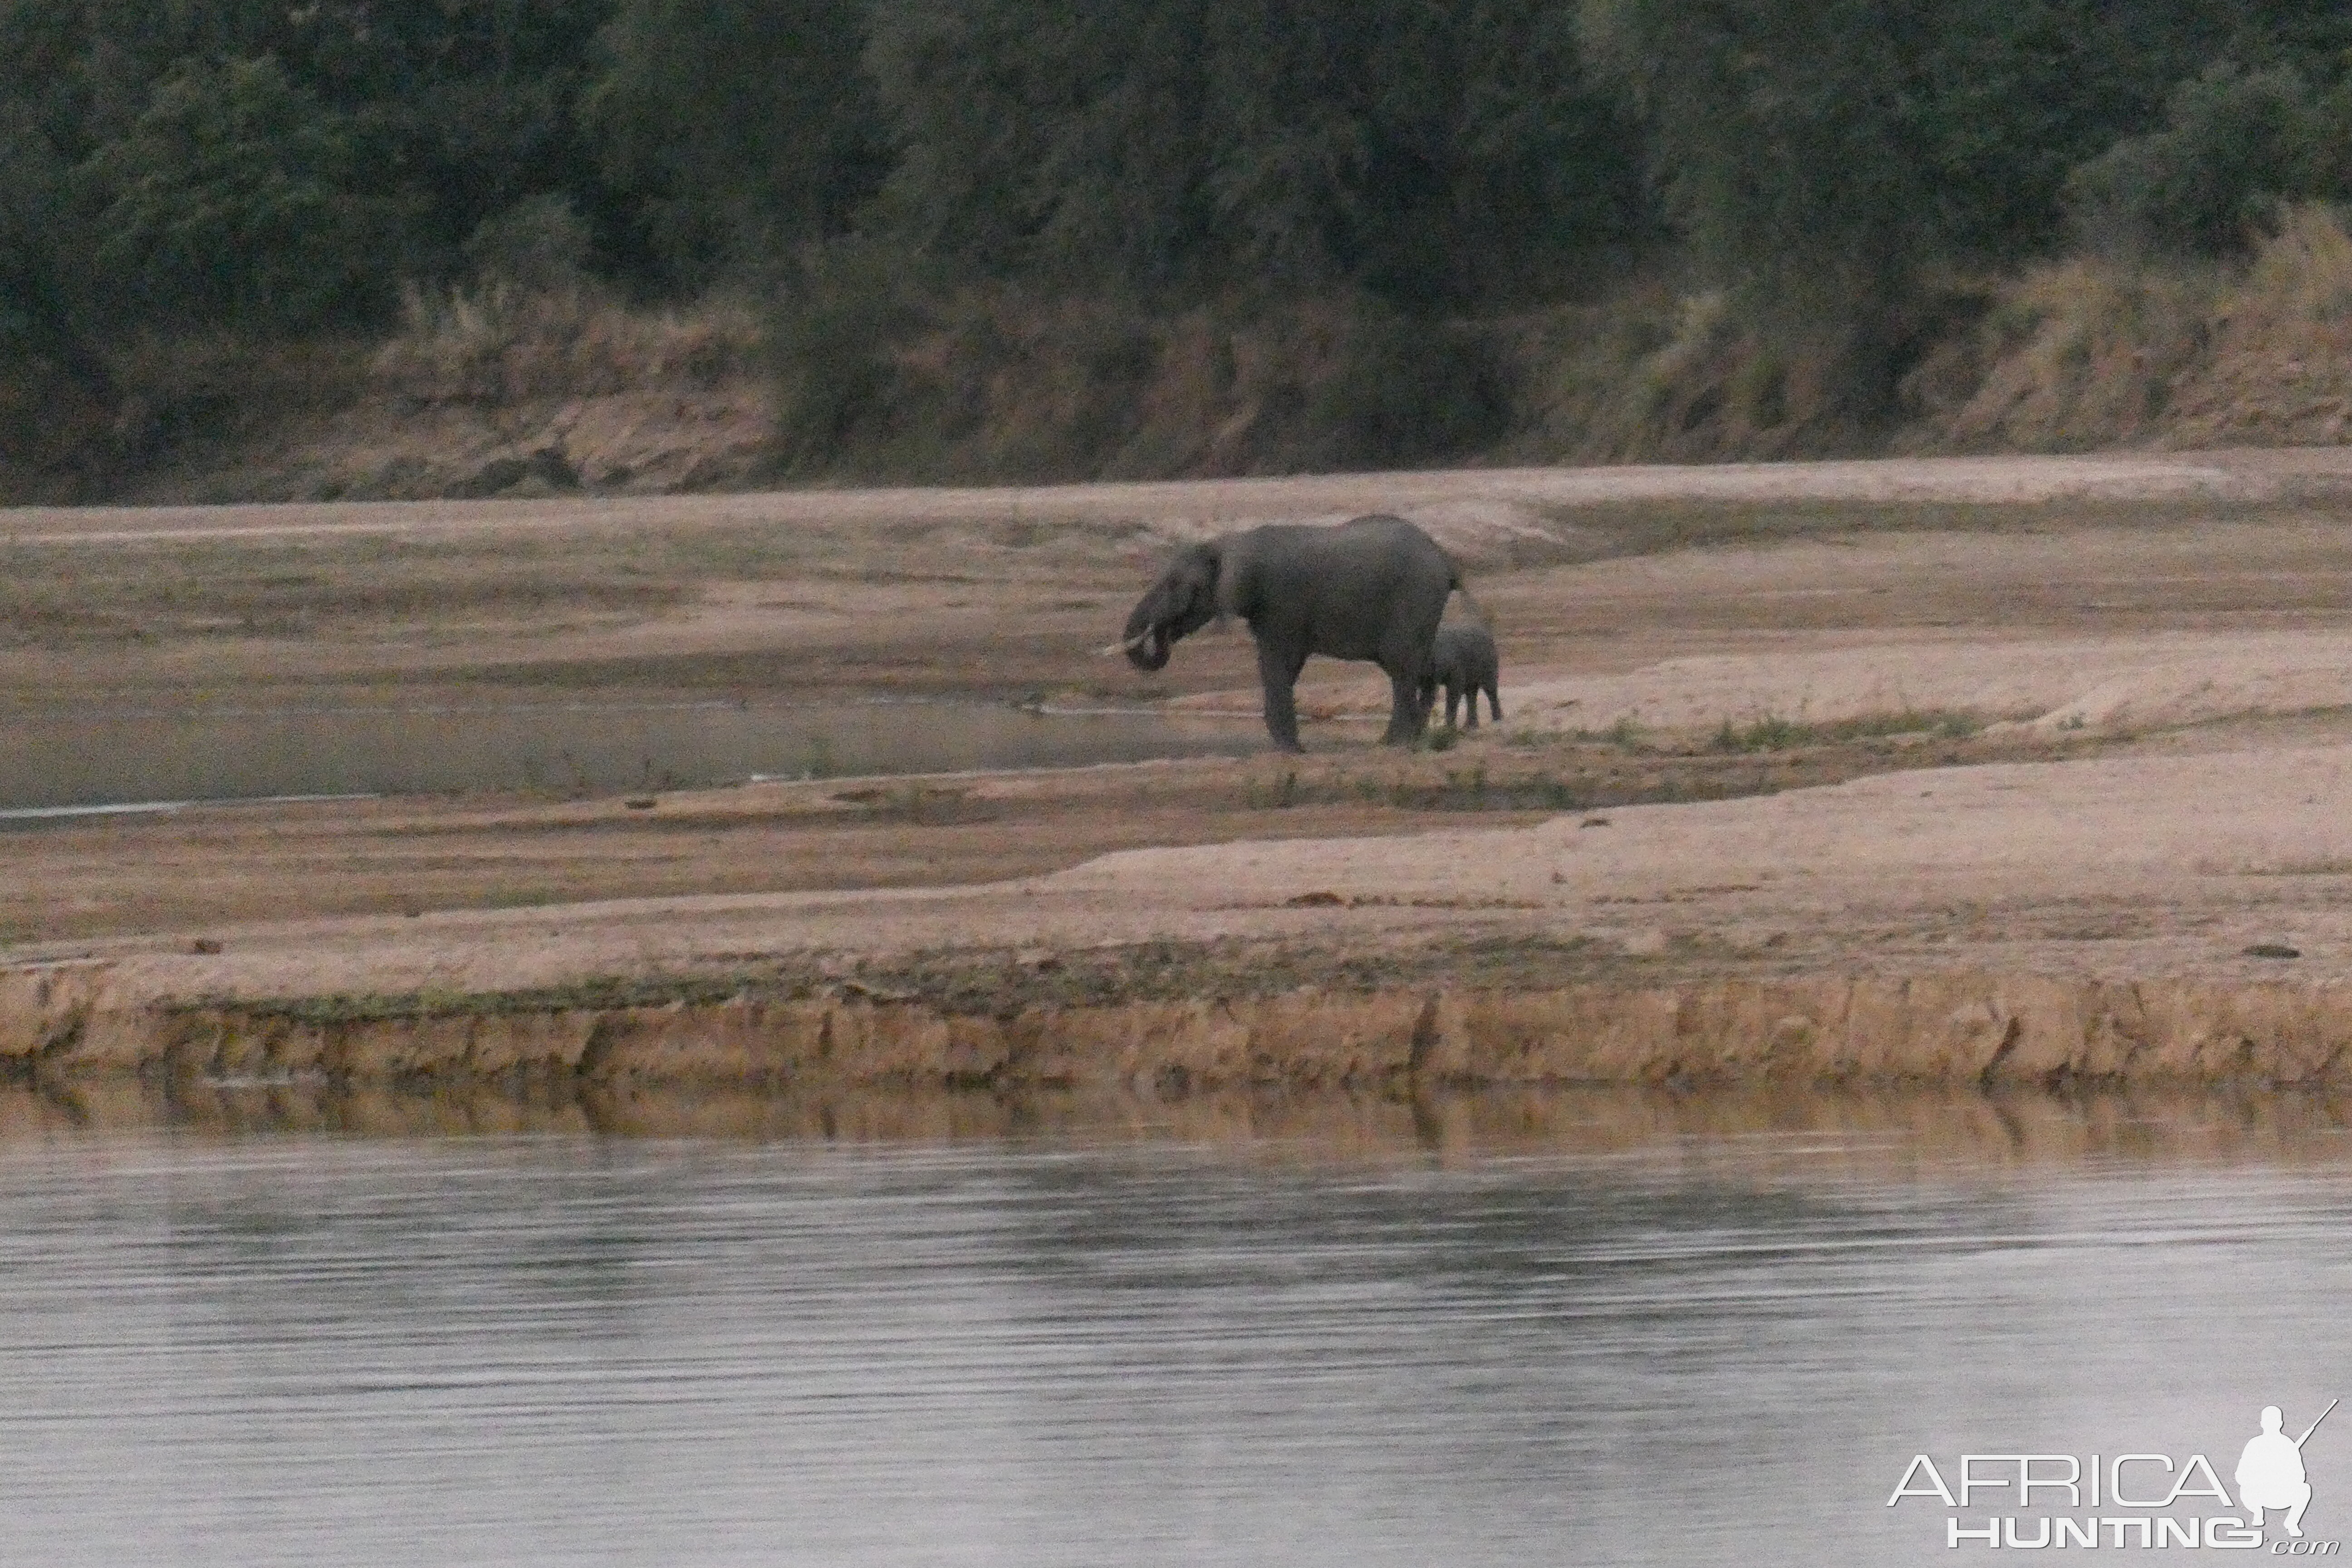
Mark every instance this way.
x=1373 y=588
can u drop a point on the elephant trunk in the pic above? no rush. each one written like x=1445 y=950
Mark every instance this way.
x=1183 y=602
x=1148 y=641
x=1148 y=649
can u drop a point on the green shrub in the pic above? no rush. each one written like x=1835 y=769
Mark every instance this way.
x=236 y=195
x=2234 y=147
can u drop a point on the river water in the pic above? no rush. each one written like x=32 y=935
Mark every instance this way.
x=1059 y=1349
x=57 y=761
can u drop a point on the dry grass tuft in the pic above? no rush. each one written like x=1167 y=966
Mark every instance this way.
x=2083 y=353
x=499 y=344
x=1647 y=375
x=2093 y=352
x=1001 y=384
x=2281 y=367
x=2303 y=276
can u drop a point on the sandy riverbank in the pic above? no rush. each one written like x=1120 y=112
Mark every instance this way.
x=2033 y=768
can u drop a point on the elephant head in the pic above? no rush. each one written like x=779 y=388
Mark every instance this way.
x=1183 y=602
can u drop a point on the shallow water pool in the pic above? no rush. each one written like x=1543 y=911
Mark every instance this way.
x=52 y=761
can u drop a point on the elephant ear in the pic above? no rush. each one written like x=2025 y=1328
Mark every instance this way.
x=1192 y=585
x=1215 y=584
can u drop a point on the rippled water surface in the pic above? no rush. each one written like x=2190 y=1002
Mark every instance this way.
x=303 y=1350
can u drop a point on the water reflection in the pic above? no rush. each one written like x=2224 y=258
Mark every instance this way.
x=53 y=760
x=1873 y=1132
x=1611 y=1330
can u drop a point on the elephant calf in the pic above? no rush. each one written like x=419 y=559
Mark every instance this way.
x=1373 y=588
x=1465 y=665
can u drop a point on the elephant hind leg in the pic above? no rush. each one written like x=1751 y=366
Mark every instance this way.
x=1494 y=701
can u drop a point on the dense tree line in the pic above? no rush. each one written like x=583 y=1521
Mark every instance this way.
x=285 y=166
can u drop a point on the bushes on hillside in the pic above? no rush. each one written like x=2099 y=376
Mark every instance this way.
x=1061 y=220
x=237 y=196
x=733 y=130
x=1183 y=148
x=2235 y=147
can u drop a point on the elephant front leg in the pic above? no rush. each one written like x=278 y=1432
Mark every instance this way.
x=1407 y=717
x=1277 y=671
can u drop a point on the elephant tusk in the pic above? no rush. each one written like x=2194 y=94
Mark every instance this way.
x=1126 y=644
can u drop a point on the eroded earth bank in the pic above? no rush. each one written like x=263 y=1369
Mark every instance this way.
x=1960 y=773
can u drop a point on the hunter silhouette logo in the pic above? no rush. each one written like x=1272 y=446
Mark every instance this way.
x=2041 y=1501
x=2270 y=1472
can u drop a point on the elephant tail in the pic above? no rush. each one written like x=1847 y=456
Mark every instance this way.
x=1459 y=584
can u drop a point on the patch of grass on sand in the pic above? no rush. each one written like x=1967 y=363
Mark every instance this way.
x=1775 y=733
x=1626 y=732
